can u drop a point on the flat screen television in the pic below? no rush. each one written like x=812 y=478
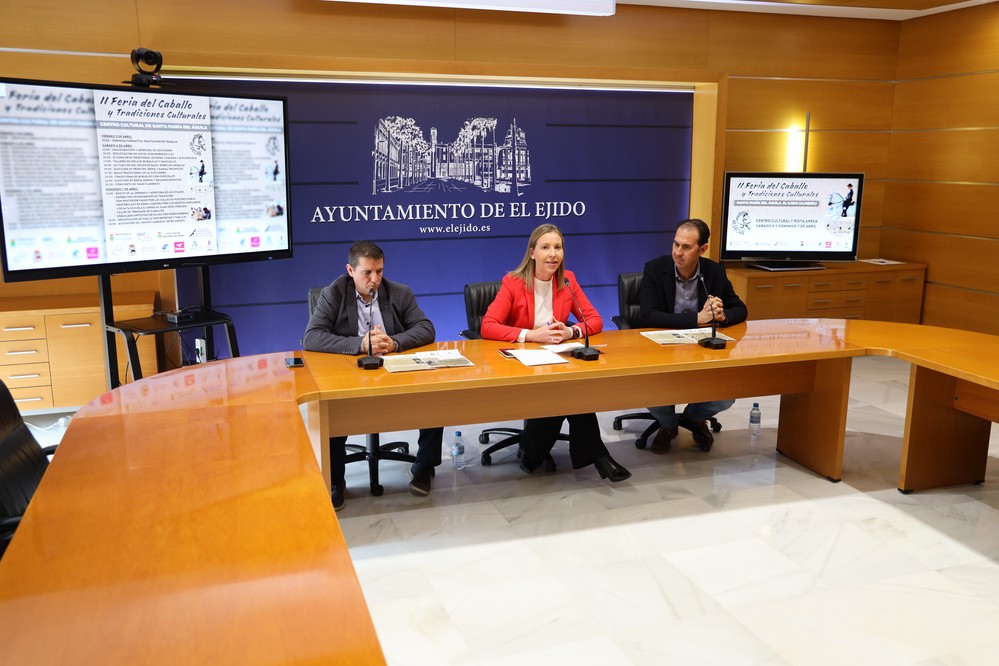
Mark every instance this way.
x=791 y=220
x=96 y=180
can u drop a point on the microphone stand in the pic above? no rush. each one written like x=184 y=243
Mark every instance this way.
x=714 y=342
x=370 y=362
x=586 y=352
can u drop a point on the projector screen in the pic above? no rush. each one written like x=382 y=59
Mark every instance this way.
x=791 y=216
x=101 y=180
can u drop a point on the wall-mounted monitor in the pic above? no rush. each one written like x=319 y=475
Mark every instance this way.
x=791 y=220
x=96 y=180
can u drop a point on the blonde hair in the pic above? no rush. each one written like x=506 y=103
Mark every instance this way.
x=525 y=271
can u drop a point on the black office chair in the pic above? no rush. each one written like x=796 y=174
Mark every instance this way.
x=373 y=450
x=22 y=464
x=478 y=297
x=628 y=285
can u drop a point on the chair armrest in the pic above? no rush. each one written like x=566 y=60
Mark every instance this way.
x=49 y=450
x=9 y=524
x=620 y=322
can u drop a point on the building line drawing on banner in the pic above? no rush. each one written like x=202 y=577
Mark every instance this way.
x=405 y=160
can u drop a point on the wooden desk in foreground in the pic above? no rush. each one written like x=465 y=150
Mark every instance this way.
x=184 y=521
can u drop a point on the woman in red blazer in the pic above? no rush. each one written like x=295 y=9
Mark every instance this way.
x=533 y=305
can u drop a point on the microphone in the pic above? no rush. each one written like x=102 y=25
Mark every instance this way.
x=586 y=352
x=714 y=342
x=370 y=362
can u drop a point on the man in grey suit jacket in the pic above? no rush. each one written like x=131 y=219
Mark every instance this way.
x=340 y=324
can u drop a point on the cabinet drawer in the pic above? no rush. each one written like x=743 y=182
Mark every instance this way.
x=838 y=282
x=24 y=351
x=15 y=326
x=37 y=397
x=27 y=374
x=76 y=357
x=836 y=299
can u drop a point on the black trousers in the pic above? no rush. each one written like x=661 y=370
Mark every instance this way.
x=585 y=444
x=429 y=445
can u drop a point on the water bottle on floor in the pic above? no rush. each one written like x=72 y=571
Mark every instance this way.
x=754 y=422
x=458 y=451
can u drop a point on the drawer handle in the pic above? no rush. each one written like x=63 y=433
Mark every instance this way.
x=22 y=353
x=821 y=301
x=793 y=284
x=27 y=399
x=764 y=286
x=823 y=284
x=76 y=325
x=9 y=329
x=888 y=281
x=24 y=376
x=852 y=316
x=908 y=279
x=853 y=300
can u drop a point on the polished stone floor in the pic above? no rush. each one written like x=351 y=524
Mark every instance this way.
x=736 y=556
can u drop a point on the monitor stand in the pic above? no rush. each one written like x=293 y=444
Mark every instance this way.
x=787 y=265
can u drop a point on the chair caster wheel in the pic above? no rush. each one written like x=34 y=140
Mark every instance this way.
x=486 y=460
x=483 y=438
x=405 y=449
x=377 y=489
x=640 y=443
x=617 y=423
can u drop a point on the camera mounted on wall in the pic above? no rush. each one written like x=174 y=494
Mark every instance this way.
x=147 y=63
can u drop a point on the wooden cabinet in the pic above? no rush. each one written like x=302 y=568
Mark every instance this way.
x=52 y=347
x=855 y=290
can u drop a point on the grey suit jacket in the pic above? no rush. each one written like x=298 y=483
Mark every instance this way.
x=333 y=326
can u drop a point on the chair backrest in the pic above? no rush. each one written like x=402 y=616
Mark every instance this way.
x=627 y=300
x=22 y=461
x=314 y=298
x=478 y=297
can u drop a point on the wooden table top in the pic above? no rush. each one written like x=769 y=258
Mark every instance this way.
x=185 y=519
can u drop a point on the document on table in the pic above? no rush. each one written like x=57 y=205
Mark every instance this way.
x=537 y=356
x=682 y=336
x=446 y=358
x=563 y=348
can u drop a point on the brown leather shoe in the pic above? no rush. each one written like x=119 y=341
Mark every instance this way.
x=664 y=439
x=700 y=430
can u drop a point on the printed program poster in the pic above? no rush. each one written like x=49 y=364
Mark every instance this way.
x=49 y=158
x=248 y=138
x=157 y=175
x=791 y=213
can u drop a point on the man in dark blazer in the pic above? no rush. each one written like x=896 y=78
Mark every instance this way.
x=340 y=324
x=684 y=290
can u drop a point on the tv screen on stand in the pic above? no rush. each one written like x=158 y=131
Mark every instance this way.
x=791 y=220
x=96 y=180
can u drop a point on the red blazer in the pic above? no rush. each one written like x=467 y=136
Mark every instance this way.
x=513 y=309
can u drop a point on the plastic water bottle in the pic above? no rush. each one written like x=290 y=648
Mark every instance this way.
x=458 y=451
x=754 y=421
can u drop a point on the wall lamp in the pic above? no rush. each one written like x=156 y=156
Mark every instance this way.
x=583 y=7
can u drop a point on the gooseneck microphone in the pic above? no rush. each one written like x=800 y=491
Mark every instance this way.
x=586 y=352
x=370 y=362
x=714 y=342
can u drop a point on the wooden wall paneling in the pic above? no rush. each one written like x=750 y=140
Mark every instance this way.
x=954 y=101
x=834 y=105
x=965 y=40
x=849 y=151
x=958 y=155
x=636 y=36
x=106 y=70
x=962 y=208
x=755 y=150
x=950 y=258
x=869 y=242
x=954 y=307
x=802 y=46
x=65 y=25
x=256 y=29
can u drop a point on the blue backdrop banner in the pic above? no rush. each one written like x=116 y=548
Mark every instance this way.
x=451 y=180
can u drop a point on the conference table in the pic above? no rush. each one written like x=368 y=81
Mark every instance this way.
x=185 y=518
